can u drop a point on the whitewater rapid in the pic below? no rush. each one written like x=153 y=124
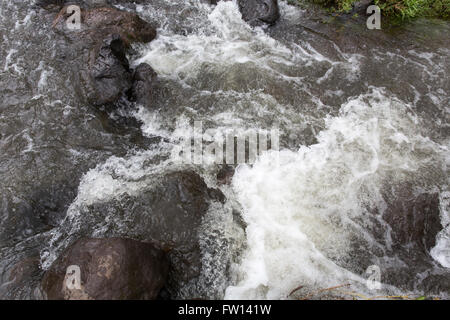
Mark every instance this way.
x=309 y=205
x=306 y=208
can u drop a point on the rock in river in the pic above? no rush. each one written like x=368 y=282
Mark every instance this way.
x=256 y=12
x=101 y=42
x=169 y=213
x=109 y=269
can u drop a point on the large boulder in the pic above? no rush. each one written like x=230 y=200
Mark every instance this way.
x=169 y=212
x=102 y=42
x=259 y=11
x=108 y=269
x=103 y=21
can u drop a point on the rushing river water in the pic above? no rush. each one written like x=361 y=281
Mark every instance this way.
x=361 y=114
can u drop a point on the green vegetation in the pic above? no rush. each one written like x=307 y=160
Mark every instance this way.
x=394 y=9
x=332 y=5
x=407 y=9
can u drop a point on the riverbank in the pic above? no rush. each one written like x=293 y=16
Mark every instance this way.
x=396 y=11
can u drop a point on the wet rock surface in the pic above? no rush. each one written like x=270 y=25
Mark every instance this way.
x=414 y=219
x=360 y=6
x=102 y=43
x=109 y=269
x=103 y=21
x=109 y=73
x=53 y=4
x=92 y=65
x=47 y=127
x=410 y=224
x=169 y=214
x=259 y=11
x=142 y=91
x=18 y=278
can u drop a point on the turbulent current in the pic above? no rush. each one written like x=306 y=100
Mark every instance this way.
x=363 y=117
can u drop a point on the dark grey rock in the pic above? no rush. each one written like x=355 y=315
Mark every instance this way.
x=102 y=42
x=256 y=12
x=143 y=85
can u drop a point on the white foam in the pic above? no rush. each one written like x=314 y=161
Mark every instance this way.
x=226 y=41
x=304 y=208
x=115 y=177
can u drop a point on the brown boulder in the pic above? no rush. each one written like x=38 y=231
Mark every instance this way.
x=169 y=212
x=256 y=12
x=109 y=269
x=100 y=22
x=99 y=51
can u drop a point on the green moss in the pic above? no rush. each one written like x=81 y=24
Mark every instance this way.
x=333 y=5
x=408 y=9
x=394 y=9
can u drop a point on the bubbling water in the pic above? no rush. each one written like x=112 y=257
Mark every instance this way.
x=306 y=208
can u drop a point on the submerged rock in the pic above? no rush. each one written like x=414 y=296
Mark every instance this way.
x=109 y=269
x=225 y=175
x=414 y=219
x=143 y=84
